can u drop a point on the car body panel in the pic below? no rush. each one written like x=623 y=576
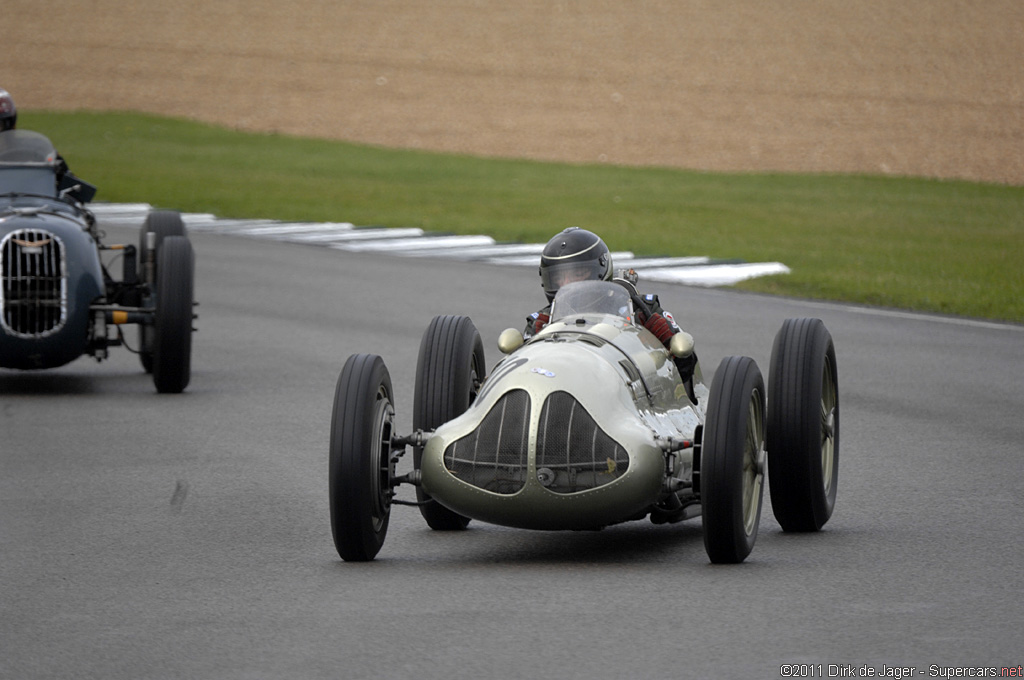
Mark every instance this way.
x=621 y=384
x=82 y=283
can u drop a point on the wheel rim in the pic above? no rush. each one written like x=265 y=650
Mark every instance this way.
x=828 y=427
x=753 y=463
x=380 y=458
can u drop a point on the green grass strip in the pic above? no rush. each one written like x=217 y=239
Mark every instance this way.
x=951 y=247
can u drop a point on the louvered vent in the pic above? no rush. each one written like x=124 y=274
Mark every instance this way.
x=494 y=455
x=33 y=295
x=573 y=453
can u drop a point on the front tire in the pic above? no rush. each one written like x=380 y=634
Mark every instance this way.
x=172 y=328
x=162 y=223
x=732 y=461
x=361 y=470
x=803 y=425
x=449 y=370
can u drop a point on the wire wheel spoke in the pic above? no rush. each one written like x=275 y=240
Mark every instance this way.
x=828 y=427
x=753 y=463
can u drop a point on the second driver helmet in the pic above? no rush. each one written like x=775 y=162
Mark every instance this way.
x=573 y=255
x=8 y=111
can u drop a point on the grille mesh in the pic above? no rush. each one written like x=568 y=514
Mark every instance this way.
x=494 y=455
x=32 y=295
x=573 y=453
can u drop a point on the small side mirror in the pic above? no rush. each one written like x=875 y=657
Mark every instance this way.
x=681 y=345
x=510 y=340
x=76 y=188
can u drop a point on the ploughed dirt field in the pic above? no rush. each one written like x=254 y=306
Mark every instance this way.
x=910 y=87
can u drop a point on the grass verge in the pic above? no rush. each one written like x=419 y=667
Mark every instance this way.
x=930 y=245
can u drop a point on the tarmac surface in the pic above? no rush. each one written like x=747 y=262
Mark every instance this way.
x=168 y=536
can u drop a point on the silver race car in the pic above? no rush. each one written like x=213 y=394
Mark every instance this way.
x=587 y=424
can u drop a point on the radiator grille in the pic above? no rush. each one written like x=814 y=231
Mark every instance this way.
x=494 y=455
x=33 y=294
x=573 y=453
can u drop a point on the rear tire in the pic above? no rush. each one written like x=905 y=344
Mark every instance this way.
x=361 y=471
x=163 y=223
x=449 y=370
x=803 y=425
x=172 y=347
x=732 y=461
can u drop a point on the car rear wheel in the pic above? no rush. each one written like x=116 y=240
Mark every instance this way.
x=732 y=460
x=803 y=425
x=449 y=370
x=172 y=347
x=162 y=223
x=360 y=458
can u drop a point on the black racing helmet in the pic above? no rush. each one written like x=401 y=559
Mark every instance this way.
x=8 y=111
x=573 y=255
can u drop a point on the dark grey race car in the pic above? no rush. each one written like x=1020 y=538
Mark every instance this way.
x=57 y=299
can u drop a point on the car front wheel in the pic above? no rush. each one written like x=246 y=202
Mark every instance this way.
x=360 y=467
x=161 y=223
x=172 y=327
x=732 y=460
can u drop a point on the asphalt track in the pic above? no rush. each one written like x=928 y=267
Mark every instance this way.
x=173 y=536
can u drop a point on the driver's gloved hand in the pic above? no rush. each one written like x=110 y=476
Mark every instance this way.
x=540 y=322
x=659 y=325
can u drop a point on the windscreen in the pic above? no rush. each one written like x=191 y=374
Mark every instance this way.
x=591 y=297
x=24 y=147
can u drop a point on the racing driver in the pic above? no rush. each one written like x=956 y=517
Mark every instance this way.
x=579 y=255
x=9 y=121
